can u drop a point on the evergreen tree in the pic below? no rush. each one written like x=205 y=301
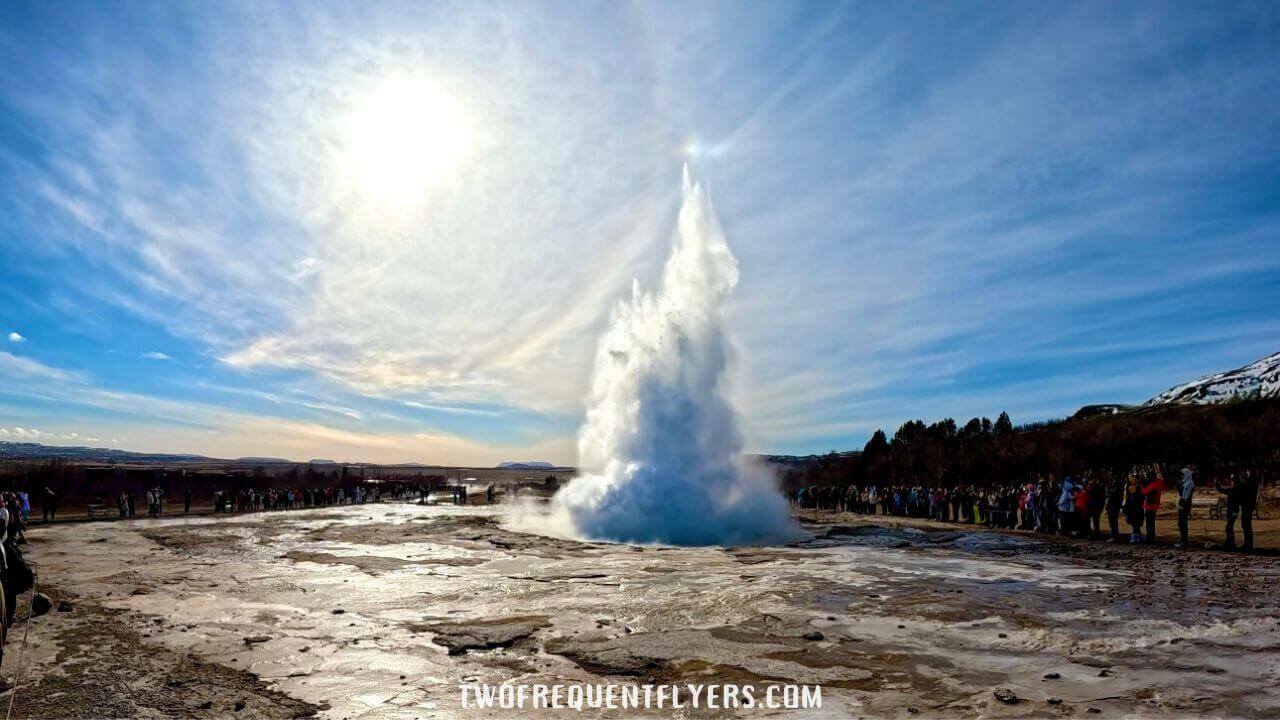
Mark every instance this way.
x=877 y=445
x=1003 y=425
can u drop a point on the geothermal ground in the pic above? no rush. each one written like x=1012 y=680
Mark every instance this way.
x=382 y=610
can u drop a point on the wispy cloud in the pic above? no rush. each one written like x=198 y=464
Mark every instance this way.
x=23 y=368
x=452 y=409
x=14 y=337
x=167 y=425
x=156 y=355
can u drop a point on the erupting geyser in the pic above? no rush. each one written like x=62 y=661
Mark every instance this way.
x=660 y=453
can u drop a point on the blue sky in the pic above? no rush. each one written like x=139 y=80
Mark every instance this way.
x=940 y=209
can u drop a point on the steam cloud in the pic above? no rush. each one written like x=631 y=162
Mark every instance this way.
x=660 y=452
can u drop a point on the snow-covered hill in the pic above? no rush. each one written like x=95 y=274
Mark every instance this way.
x=1259 y=379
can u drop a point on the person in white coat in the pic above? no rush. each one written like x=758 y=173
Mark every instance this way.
x=1186 y=489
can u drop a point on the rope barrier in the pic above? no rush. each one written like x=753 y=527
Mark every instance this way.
x=22 y=649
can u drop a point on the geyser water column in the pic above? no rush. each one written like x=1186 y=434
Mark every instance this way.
x=660 y=454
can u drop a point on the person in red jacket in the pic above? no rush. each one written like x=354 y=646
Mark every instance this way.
x=1151 y=503
x=1082 y=509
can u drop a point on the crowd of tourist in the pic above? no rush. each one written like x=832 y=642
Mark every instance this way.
x=253 y=499
x=290 y=498
x=1073 y=505
x=126 y=502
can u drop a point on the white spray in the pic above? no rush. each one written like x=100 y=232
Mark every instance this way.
x=659 y=453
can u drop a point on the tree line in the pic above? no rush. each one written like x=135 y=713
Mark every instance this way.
x=983 y=453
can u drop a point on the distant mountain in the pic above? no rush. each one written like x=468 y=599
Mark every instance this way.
x=528 y=465
x=1256 y=380
x=36 y=451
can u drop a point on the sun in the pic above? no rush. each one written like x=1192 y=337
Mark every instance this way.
x=404 y=137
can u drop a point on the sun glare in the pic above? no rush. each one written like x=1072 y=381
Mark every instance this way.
x=403 y=138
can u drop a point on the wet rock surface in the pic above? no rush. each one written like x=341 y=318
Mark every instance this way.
x=382 y=610
x=102 y=668
x=482 y=634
